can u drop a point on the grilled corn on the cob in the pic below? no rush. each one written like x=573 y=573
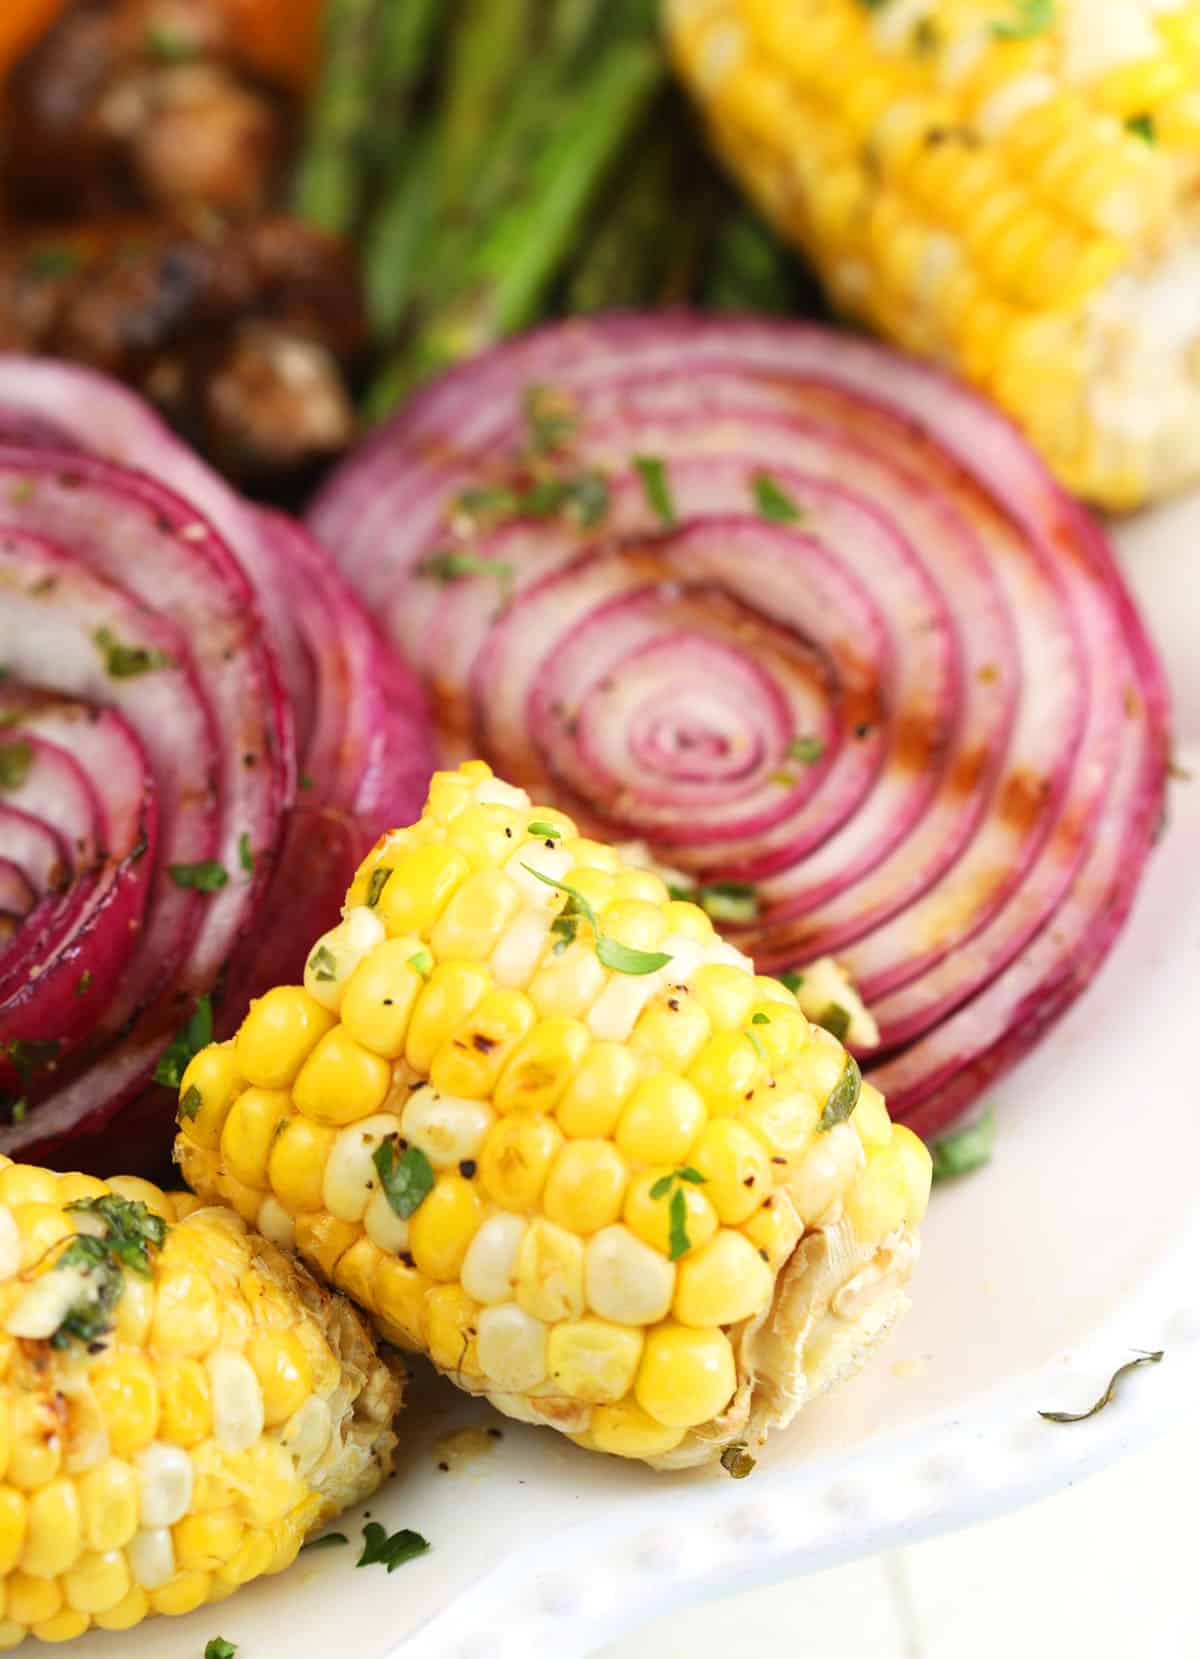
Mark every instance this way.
x=180 y=1405
x=1006 y=185
x=550 y=1130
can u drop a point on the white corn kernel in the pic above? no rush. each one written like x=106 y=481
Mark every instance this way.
x=615 y=1011
x=337 y=953
x=385 y=1229
x=151 y=1555
x=625 y=1280
x=552 y=862
x=825 y=1172
x=276 y=1224
x=512 y=1347
x=489 y=1266
x=350 y=1173
x=167 y=1479
x=519 y=948
x=306 y=1433
x=495 y=792
x=447 y=1128
x=41 y=1309
x=237 y=1402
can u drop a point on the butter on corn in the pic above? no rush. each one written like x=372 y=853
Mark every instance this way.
x=180 y=1404
x=549 y=1129
x=1009 y=188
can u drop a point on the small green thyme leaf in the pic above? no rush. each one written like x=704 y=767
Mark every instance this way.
x=791 y=979
x=549 y=417
x=836 y=1020
x=190 y=1102
x=843 y=1097
x=1143 y=127
x=19 y=1110
x=406 y=1176
x=807 y=749
x=195 y=1034
x=421 y=961
x=390 y=1550
x=15 y=761
x=1145 y=1357
x=1032 y=17
x=376 y=885
x=205 y=877
x=547 y=832
x=450 y=566
x=130 y=1228
x=679 y=1242
x=323 y=964
x=623 y=959
x=774 y=503
x=245 y=853
x=124 y=662
x=736 y=1460
x=687 y=1173
x=662 y=1186
x=966 y=1149
x=760 y=1019
x=327 y=1541
x=304 y=781
x=656 y=486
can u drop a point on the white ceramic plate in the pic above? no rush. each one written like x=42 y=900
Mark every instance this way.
x=1040 y=1276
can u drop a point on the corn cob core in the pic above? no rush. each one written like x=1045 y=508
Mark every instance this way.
x=192 y=1435
x=1004 y=186
x=643 y=1223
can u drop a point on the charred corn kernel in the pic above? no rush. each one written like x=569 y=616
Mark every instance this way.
x=278 y=1034
x=53 y=1530
x=516 y=1158
x=591 y=1360
x=648 y=1211
x=380 y=996
x=686 y=1377
x=250 y=1128
x=585 y=1177
x=725 y=1281
x=453 y=990
x=338 y=953
x=661 y=1121
x=296 y=1164
x=586 y=1186
x=12 y=1527
x=596 y=1094
x=341 y=1081
x=420 y=887
x=216 y=1079
x=35 y=1441
x=736 y=1170
x=542 y=1066
x=441 y=1229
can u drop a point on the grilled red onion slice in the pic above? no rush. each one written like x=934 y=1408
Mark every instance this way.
x=827 y=630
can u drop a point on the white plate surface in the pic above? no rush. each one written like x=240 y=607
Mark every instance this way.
x=1079 y=1244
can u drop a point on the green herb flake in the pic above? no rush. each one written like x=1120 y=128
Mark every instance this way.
x=653 y=474
x=760 y=1018
x=194 y=1035
x=376 y=885
x=125 y=662
x=130 y=1232
x=19 y=1110
x=327 y=1541
x=926 y=36
x=1030 y=18
x=322 y=964
x=836 y=1020
x=755 y=1043
x=486 y=501
x=546 y=832
x=966 y=1149
x=1145 y=1357
x=687 y=1173
x=421 y=961
x=564 y=929
x=774 y=503
x=390 y=1549
x=728 y=901
x=806 y=749
x=30 y=1054
x=131 y=1229
x=59 y=260
x=736 y=1460
x=205 y=877
x=15 y=761
x=662 y=1186
x=190 y=1101
x=406 y=1176
x=169 y=46
x=678 y=1241
x=1143 y=127
x=791 y=979
x=549 y=417
x=305 y=781
x=622 y=959
x=451 y=566
x=843 y=1097
x=84 y=983
x=245 y=853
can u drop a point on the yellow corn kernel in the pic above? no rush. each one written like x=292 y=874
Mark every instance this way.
x=324 y=1239
x=356 y=1270
x=784 y=1120
x=634 y=922
x=548 y=1273
x=591 y=855
x=650 y=1217
x=725 y=1281
x=726 y=1070
x=568 y=984
x=127 y=1394
x=35 y=1441
x=278 y=1034
x=71 y=1188
x=53 y=1530
x=97 y=1581
x=471 y=925
x=625 y=1430
x=453 y=990
x=775 y=1229
x=591 y=1360
x=516 y=1159
x=443 y=1225
x=586 y=1186
x=130 y=1610
x=421 y=884
x=203 y=1542
x=65 y=1626
x=12 y=1527
x=209 y=1087
x=452 y=1331
x=109 y=1498
x=283 y=1373
x=686 y=1377
x=736 y=1170
x=780 y=1029
x=726 y=994
x=296 y=1166
x=485 y=833
x=400 y=1301
x=599 y=1089
x=341 y=1081
x=661 y=1120
x=187 y=1314
x=31 y=1600
x=251 y=1559
x=682 y=916
x=142 y=1192
x=250 y=1128
x=542 y=1066
x=380 y=996
x=185 y=1592
x=41 y=1227
x=449 y=794
x=671 y=1030
x=24 y=1184
x=818 y=1066
x=646 y=885
x=871 y=1118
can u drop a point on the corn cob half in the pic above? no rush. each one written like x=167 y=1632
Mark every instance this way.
x=550 y=1130
x=1006 y=185
x=180 y=1404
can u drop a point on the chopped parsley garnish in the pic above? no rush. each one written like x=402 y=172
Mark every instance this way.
x=84 y=983
x=791 y=979
x=190 y=1102
x=550 y=419
x=966 y=1149
x=327 y=1541
x=245 y=853
x=678 y=1241
x=322 y=964
x=130 y=1228
x=450 y=566
x=205 y=877
x=582 y=497
x=736 y=1460
x=547 y=832
x=727 y=901
x=1142 y=126
x=622 y=959
x=406 y=1176
x=130 y=1231
x=760 y=1018
x=18 y=1111
x=421 y=961
x=376 y=885
x=774 y=503
x=1145 y=1357
x=57 y=261
x=836 y=1020
x=653 y=475
x=191 y=1037
x=391 y=1550
x=15 y=761
x=124 y=662
x=806 y=749
x=843 y=1097
x=1031 y=17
